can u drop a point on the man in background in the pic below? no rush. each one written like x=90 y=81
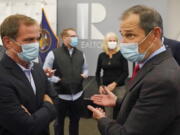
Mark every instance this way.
x=71 y=69
x=26 y=107
x=174 y=45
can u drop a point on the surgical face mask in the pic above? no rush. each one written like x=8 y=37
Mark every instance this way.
x=112 y=45
x=131 y=51
x=29 y=51
x=74 y=41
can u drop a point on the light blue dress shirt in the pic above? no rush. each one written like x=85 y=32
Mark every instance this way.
x=27 y=72
x=160 y=50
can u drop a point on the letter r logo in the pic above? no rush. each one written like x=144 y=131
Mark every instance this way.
x=85 y=23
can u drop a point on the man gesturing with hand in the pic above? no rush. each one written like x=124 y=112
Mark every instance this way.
x=152 y=102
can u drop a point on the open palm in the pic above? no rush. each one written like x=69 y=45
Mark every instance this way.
x=108 y=99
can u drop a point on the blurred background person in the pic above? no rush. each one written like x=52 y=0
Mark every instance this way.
x=174 y=45
x=114 y=67
x=71 y=69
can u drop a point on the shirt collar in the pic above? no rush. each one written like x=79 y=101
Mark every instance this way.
x=70 y=51
x=30 y=67
x=162 y=40
x=160 y=50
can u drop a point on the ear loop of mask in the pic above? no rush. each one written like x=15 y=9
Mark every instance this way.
x=150 y=45
x=16 y=44
x=145 y=38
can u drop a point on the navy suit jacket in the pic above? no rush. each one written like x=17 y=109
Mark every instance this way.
x=152 y=103
x=175 y=48
x=15 y=90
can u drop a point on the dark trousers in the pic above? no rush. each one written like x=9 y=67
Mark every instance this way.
x=71 y=109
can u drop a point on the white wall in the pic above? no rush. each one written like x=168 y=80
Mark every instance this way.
x=31 y=8
x=173 y=19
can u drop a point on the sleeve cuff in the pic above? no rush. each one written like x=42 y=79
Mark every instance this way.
x=54 y=79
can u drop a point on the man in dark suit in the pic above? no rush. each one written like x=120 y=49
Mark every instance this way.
x=174 y=46
x=152 y=103
x=26 y=107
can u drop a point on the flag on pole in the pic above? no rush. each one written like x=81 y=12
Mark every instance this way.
x=49 y=40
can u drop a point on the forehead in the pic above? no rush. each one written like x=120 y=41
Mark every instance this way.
x=71 y=32
x=130 y=24
x=28 y=30
x=111 y=38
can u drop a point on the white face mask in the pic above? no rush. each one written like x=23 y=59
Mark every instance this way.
x=112 y=45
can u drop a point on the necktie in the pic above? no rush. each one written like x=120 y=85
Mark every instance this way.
x=136 y=69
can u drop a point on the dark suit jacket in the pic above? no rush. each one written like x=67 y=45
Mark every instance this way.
x=15 y=90
x=2 y=51
x=175 y=48
x=152 y=104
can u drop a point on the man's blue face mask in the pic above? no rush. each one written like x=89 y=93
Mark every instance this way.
x=74 y=41
x=29 y=52
x=131 y=50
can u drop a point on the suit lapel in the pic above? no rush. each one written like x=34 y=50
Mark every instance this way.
x=147 y=68
x=17 y=72
x=36 y=76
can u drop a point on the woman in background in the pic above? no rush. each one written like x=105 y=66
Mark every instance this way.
x=115 y=69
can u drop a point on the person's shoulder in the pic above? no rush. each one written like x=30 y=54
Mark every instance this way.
x=2 y=48
x=56 y=49
x=78 y=51
x=119 y=54
x=4 y=73
x=171 y=42
x=102 y=54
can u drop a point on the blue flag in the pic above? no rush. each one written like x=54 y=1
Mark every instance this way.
x=49 y=40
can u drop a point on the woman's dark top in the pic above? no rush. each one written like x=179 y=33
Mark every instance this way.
x=115 y=69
